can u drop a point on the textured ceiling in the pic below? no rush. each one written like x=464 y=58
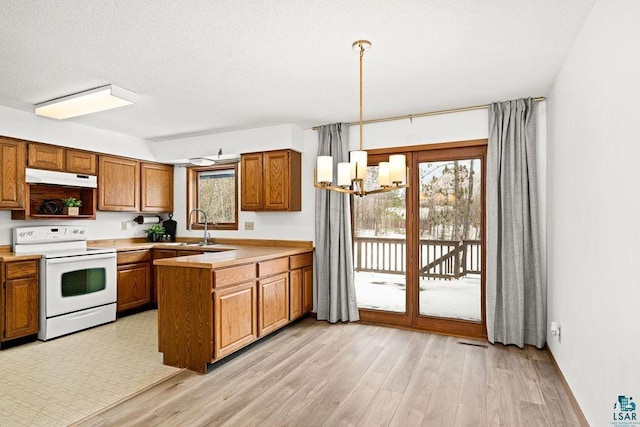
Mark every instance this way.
x=205 y=66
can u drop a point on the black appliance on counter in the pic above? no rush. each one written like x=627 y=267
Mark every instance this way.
x=170 y=227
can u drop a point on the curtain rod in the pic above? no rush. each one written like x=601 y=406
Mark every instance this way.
x=430 y=113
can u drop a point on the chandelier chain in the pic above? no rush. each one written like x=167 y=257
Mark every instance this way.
x=361 y=108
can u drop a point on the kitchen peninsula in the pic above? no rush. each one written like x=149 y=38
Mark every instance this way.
x=211 y=305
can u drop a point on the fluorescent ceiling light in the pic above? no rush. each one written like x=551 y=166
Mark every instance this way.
x=87 y=102
x=201 y=161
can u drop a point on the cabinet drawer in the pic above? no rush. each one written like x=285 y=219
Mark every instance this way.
x=187 y=253
x=267 y=268
x=16 y=269
x=132 y=257
x=302 y=260
x=229 y=276
x=164 y=253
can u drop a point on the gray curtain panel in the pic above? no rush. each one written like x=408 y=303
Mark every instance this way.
x=516 y=296
x=334 y=288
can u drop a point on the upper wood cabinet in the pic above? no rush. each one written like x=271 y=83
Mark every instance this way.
x=118 y=184
x=44 y=156
x=129 y=185
x=156 y=182
x=53 y=157
x=251 y=177
x=12 y=175
x=81 y=162
x=271 y=181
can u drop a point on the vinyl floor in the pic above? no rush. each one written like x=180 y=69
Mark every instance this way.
x=315 y=374
x=58 y=382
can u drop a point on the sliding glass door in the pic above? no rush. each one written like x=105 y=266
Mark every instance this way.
x=418 y=253
x=380 y=251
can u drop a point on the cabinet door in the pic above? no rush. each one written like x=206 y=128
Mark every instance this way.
x=12 y=175
x=295 y=294
x=276 y=180
x=156 y=182
x=251 y=177
x=119 y=184
x=273 y=295
x=80 y=162
x=133 y=285
x=307 y=289
x=21 y=307
x=235 y=317
x=44 y=156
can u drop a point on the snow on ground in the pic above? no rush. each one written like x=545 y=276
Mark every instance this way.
x=457 y=299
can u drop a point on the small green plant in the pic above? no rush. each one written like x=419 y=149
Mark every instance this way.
x=155 y=232
x=155 y=229
x=72 y=202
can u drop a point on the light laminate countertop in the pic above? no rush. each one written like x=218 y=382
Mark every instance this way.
x=220 y=255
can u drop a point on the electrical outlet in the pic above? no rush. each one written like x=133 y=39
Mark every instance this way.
x=248 y=225
x=125 y=225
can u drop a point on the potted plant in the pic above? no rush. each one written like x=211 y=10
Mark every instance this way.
x=71 y=206
x=155 y=233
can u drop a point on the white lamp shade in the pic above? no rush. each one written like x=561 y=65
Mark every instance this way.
x=87 y=102
x=325 y=169
x=383 y=174
x=359 y=158
x=397 y=168
x=344 y=174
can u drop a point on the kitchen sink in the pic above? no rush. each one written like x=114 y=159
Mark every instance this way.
x=193 y=245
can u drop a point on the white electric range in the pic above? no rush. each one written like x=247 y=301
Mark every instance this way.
x=78 y=288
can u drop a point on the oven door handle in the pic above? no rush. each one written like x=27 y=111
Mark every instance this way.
x=83 y=258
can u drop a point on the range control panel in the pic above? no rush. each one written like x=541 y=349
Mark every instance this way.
x=47 y=234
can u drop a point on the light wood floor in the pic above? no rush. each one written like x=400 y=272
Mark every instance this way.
x=316 y=374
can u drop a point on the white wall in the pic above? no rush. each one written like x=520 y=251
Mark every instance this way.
x=23 y=125
x=301 y=225
x=424 y=130
x=593 y=206
x=267 y=225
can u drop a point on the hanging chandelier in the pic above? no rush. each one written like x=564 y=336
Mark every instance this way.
x=392 y=175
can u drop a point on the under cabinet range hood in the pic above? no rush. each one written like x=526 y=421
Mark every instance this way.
x=40 y=176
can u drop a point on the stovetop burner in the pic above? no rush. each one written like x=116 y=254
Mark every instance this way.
x=54 y=241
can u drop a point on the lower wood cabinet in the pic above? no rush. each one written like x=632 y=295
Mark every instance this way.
x=295 y=294
x=205 y=314
x=165 y=253
x=273 y=294
x=301 y=284
x=159 y=254
x=134 y=288
x=19 y=299
x=300 y=292
x=235 y=318
x=307 y=289
x=134 y=279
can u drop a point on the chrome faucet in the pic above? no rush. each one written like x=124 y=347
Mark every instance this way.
x=205 y=240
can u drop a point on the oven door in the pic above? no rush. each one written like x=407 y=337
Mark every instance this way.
x=78 y=282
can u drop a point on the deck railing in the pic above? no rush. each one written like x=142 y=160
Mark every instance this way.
x=441 y=259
